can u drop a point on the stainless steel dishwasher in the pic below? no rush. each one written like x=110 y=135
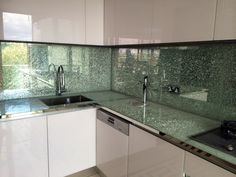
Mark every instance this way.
x=112 y=144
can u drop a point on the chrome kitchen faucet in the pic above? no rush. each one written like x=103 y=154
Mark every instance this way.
x=60 y=81
x=145 y=82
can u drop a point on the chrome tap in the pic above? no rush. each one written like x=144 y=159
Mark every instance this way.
x=60 y=81
x=145 y=82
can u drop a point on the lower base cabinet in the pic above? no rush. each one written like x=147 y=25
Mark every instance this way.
x=23 y=148
x=66 y=143
x=198 y=167
x=71 y=140
x=151 y=156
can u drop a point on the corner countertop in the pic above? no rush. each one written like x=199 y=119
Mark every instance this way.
x=175 y=123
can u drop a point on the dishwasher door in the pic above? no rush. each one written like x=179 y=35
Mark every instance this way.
x=112 y=145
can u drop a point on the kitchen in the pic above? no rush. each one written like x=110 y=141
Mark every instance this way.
x=117 y=88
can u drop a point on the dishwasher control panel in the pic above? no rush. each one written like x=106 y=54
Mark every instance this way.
x=113 y=121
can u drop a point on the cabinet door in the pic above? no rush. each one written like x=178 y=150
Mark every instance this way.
x=183 y=20
x=133 y=21
x=151 y=156
x=44 y=21
x=109 y=22
x=23 y=148
x=94 y=22
x=197 y=167
x=71 y=138
x=225 y=20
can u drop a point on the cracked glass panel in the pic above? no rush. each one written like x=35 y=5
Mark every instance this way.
x=200 y=79
x=29 y=69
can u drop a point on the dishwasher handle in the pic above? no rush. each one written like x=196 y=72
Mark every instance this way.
x=110 y=120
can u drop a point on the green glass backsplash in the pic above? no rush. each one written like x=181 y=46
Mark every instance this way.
x=205 y=75
x=24 y=69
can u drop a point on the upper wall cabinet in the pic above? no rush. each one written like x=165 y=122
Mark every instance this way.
x=158 y=21
x=133 y=21
x=183 y=20
x=127 y=21
x=94 y=22
x=109 y=22
x=112 y=22
x=44 y=21
x=225 y=20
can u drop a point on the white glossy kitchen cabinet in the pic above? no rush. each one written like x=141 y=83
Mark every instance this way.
x=23 y=148
x=44 y=21
x=225 y=27
x=152 y=156
x=159 y=21
x=133 y=20
x=183 y=20
x=94 y=22
x=198 y=167
x=71 y=141
x=109 y=22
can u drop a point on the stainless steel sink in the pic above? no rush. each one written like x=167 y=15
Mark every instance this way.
x=64 y=100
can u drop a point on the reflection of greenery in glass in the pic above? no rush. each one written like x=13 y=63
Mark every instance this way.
x=25 y=66
x=14 y=58
x=13 y=54
x=77 y=56
x=10 y=79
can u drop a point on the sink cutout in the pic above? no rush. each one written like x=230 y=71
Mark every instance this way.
x=64 y=100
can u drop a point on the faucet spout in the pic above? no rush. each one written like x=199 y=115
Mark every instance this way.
x=145 y=82
x=60 y=81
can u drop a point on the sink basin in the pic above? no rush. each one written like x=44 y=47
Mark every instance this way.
x=64 y=100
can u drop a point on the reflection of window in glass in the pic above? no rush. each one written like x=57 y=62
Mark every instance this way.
x=155 y=55
x=121 y=57
x=14 y=63
x=133 y=52
x=17 y=26
x=58 y=55
x=78 y=62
